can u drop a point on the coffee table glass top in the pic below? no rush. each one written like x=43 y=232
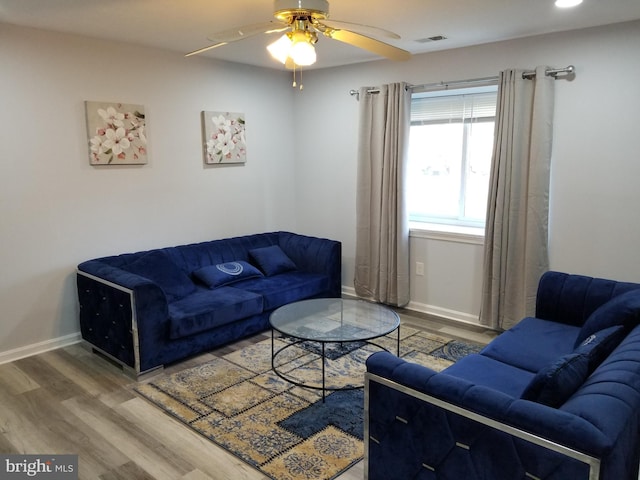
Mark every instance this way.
x=334 y=320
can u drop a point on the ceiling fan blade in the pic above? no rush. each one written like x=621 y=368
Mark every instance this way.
x=202 y=50
x=367 y=43
x=247 y=31
x=360 y=28
x=240 y=33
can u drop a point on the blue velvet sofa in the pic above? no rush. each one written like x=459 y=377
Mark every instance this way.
x=148 y=309
x=555 y=397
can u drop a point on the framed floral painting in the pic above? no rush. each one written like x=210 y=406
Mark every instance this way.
x=224 y=138
x=117 y=133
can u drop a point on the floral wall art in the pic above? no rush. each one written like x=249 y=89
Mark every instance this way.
x=117 y=134
x=224 y=138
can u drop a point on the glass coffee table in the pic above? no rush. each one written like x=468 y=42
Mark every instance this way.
x=331 y=320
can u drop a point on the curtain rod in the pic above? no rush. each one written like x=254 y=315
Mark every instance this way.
x=552 y=72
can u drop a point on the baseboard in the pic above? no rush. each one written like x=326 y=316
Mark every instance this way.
x=428 y=309
x=40 y=347
x=444 y=313
x=349 y=292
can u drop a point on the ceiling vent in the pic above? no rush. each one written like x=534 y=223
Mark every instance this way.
x=435 y=38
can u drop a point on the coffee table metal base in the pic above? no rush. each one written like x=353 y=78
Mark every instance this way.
x=324 y=360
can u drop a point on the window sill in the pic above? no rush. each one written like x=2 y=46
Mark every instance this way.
x=447 y=233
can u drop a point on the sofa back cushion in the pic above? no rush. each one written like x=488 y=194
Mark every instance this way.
x=158 y=267
x=621 y=310
x=555 y=383
x=195 y=256
x=570 y=299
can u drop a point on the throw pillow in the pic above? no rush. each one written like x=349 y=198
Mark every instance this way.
x=160 y=269
x=226 y=273
x=272 y=260
x=554 y=384
x=599 y=345
x=621 y=310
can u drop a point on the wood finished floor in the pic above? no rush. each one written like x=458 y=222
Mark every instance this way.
x=73 y=401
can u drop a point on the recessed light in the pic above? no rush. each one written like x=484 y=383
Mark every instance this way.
x=567 y=3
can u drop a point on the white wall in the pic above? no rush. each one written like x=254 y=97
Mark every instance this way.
x=56 y=210
x=594 y=225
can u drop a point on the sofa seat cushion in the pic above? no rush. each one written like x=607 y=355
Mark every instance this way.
x=533 y=344
x=485 y=371
x=285 y=288
x=206 y=309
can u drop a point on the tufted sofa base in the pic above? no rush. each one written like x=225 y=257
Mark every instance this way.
x=462 y=447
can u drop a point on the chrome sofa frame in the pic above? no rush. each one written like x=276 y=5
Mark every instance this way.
x=592 y=462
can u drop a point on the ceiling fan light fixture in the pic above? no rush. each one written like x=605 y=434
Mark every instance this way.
x=303 y=54
x=297 y=46
x=302 y=50
x=280 y=48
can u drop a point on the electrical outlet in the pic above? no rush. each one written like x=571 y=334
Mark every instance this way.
x=419 y=268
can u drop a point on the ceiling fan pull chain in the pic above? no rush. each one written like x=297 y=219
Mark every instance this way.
x=295 y=84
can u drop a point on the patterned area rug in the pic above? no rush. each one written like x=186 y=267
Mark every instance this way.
x=286 y=431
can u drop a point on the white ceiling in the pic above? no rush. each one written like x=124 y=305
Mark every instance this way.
x=184 y=25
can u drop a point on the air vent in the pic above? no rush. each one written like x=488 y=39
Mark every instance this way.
x=435 y=38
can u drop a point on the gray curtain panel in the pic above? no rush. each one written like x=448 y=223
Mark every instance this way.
x=382 y=237
x=516 y=236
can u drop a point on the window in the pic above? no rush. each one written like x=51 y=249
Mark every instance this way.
x=450 y=147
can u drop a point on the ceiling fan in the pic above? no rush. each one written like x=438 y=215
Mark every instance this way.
x=303 y=20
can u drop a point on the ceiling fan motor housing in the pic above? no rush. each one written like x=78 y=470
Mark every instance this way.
x=289 y=10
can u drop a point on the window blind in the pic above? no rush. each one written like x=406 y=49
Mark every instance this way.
x=453 y=108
